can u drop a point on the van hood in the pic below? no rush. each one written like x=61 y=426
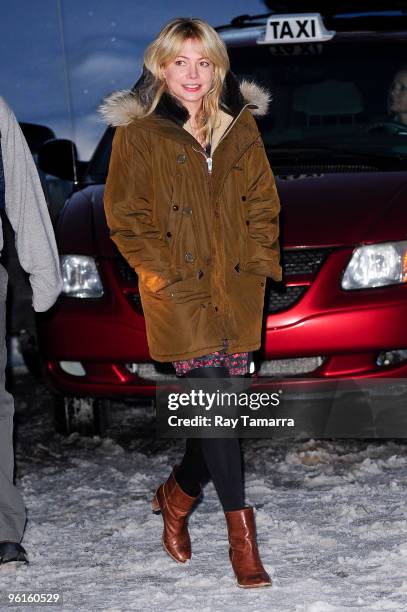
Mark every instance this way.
x=343 y=209
x=325 y=210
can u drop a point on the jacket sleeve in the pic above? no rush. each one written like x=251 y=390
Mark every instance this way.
x=28 y=214
x=128 y=201
x=263 y=205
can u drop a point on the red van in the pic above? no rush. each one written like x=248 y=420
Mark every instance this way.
x=336 y=137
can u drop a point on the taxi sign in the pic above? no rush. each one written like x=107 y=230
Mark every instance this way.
x=295 y=28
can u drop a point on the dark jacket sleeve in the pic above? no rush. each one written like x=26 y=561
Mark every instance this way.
x=129 y=208
x=263 y=249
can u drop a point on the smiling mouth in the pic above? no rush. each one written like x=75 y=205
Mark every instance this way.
x=191 y=87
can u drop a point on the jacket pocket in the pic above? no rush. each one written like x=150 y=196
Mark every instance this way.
x=249 y=290
x=192 y=289
x=261 y=260
x=251 y=252
x=186 y=251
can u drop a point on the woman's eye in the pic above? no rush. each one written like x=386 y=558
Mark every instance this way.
x=203 y=63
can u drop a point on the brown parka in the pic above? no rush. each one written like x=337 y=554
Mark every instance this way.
x=202 y=243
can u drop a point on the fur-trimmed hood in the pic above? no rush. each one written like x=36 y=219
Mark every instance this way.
x=122 y=107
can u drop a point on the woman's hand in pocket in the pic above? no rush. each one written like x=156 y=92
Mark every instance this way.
x=187 y=289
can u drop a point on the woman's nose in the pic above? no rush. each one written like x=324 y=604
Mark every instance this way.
x=192 y=72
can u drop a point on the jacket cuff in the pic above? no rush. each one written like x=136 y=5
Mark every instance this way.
x=42 y=302
x=264 y=261
x=156 y=283
x=273 y=271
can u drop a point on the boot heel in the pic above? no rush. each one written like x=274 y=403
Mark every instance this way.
x=155 y=506
x=174 y=505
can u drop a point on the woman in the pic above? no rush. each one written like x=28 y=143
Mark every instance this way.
x=192 y=205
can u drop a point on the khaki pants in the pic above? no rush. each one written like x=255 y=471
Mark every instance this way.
x=12 y=510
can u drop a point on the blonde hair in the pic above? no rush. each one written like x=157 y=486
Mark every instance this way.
x=167 y=46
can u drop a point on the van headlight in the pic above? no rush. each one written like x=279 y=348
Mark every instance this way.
x=376 y=265
x=80 y=277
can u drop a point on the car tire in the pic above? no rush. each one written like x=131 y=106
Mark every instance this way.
x=87 y=416
x=31 y=354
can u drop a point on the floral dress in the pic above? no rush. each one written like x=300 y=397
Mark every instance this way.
x=238 y=363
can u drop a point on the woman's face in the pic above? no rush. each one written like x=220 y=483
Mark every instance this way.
x=189 y=76
x=398 y=93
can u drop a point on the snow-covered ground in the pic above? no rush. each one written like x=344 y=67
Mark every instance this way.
x=331 y=518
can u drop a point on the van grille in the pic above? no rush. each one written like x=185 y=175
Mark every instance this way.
x=303 y=261
x=294 y=262
x=279 y=298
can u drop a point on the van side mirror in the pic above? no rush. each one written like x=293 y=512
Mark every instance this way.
x=59 y=157
x=36 y=135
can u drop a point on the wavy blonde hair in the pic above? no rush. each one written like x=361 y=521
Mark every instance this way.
x=165 y=48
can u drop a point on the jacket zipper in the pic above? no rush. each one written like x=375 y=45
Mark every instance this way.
x=209 y=162
x=209 y=158
x=209 y=169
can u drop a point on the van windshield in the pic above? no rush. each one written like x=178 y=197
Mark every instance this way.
x=345 y=95
x=333 y=98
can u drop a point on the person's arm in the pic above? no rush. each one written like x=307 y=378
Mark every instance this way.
x=263 y=205
x=129 y=198
x=27 y=211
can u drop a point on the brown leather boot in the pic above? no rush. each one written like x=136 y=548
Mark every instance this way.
x=175 y=506
x=243 y=551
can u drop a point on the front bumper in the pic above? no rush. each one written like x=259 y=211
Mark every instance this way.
x=342 y=331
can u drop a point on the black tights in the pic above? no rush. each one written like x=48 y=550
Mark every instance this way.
x=216 y=458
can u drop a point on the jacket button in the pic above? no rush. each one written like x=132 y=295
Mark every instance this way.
x=244 y=198
x=187 y=211
x=175 y=207
x=169 y=234
x=188 y=256
x=182 y=158
x=247 y=222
